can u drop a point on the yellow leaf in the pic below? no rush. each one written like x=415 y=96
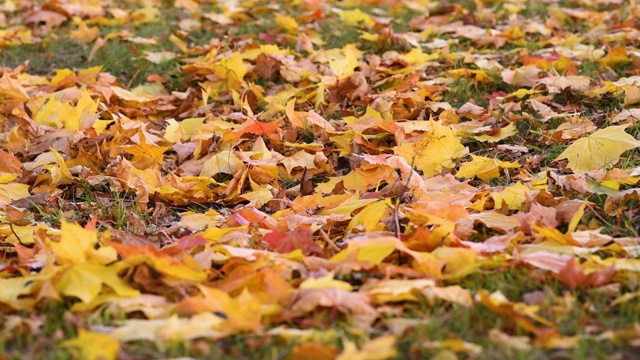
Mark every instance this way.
x=325 y=282
x=85 y=280
x=230 y=68
x=484 y=168
x=344 y=67
x=64 y=170
x=84 y=34
x=159 y=57
x=573 y=224
x=12 y=192
x=171 y=329
x=222 y=162
x=398 y=290
x=615 y=57
x=437 y=150
x=84 y=108
x=61 y=75
x=12 y=89
x=372 y=215
x=369 y=36
x=77 y=245
x=93 y=345
x=172 y=132
x=598 y=150
x=13 y=288
x=373 y=250
x=215 y=233
x=348 y=206
x=355 y=17
x=478 y=75
x=287 y=23
x=145 y=155
x=300 y=159
x=502 y=134
x=100 y=126
x=417 y=57
x=378 y=349
x=74 y=243
x=513 y=196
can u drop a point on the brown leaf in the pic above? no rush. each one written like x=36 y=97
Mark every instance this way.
x=573 y=276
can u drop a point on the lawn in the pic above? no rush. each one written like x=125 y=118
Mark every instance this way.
x=319 y=179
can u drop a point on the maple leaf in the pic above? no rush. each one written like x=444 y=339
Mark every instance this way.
x=285 y=242
x=300 y=159
x=12 y=192
x=435 y=151
x=523 y=76
x=377 y=349
x=12 y=89
x=325 y=282
x=512 y=196
x=93 y=345
x=344 y=67
x=170 y=330
x=15 y=288
x=287 y=23
x=599 y=149
x=484 y=168
x=85 y=280
x=556 y=84
x=307 y=300
x=77 y=244
x=574 y=276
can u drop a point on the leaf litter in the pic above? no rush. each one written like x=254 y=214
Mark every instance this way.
x=329 y=190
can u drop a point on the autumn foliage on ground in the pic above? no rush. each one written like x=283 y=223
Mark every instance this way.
x=319 y=179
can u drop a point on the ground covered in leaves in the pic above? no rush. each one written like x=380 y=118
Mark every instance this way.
x=319 y=179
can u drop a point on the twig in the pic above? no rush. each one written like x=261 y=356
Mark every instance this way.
x=326 y=238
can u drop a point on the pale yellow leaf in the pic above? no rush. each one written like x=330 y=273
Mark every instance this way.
x=602 y=148
x=93 y=345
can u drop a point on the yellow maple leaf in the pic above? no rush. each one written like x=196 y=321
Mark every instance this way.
x=599 y=149
x=484 y=168
x=232 y=69
x=417 y=57
x=12 y=89
x=513 y=196
x=343 y=67
x=355 y=17
x=84 y=34
x=145 y=155
x=159 y=57
x=76 y=245
x=325 y=282
x=93 y=345
x=502 y=134
x=14 y=288
x=62 y=172
x=437 y=150
x=12 y=192
x=300 y=159
x=287 y=23
x=372 y=215
x=615 y=57
x=377 y=349
x=85 y=281
x=62 y=114
x=347 y=206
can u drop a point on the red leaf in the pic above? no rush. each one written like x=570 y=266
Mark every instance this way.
x=285 y=242
x=573 y=276
x=191 y=241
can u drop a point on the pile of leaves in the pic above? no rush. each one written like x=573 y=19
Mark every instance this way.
x=319 y=179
